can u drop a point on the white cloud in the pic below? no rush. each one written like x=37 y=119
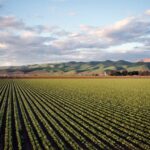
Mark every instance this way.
x=28 y=34
x=3 y=46
x=8 y=64
x=147 y=12
x=11 y=22
x=124 y=48
x=123 y=23
x=44 y=43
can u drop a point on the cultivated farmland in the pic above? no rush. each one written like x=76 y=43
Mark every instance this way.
x=75 y=114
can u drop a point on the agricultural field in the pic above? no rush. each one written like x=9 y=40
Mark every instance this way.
x=70 y=114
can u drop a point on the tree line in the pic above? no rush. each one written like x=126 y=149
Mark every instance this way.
x=128 y=73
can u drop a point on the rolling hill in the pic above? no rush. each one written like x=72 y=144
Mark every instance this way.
x=75 y=68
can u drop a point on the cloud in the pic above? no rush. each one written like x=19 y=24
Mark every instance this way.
x=3 y=46
x=11 y=22
x=28 y=34
x=23 y=44
x=147 y=12
x=125 y=31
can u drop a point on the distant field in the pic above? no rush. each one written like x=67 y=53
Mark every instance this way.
x=74 y=77
x=75 y=114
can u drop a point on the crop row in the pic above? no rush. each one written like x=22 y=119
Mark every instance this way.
x=65 y=114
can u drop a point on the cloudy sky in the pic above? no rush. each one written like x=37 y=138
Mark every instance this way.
x=41 y=31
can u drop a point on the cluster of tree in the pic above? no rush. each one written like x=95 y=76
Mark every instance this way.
x=128 y=73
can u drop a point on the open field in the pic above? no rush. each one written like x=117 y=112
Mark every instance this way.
x=75 y=77
x=75 y=114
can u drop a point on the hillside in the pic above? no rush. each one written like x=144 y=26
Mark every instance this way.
x=75 y=68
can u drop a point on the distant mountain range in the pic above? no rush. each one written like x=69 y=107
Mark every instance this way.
x=75 y=68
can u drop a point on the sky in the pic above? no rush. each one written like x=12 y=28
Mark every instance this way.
x=50 y=31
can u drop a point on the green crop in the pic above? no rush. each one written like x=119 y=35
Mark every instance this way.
x=75 y=114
